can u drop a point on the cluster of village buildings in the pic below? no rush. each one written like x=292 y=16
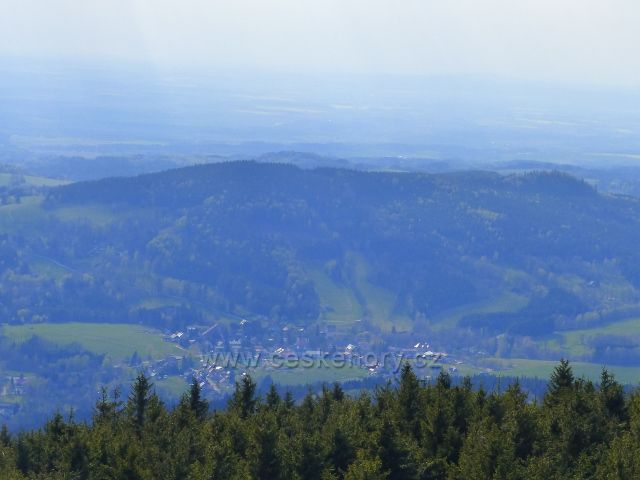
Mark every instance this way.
x=221 y=360
x=217 y=360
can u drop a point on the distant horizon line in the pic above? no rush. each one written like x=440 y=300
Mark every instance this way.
x=43 y=64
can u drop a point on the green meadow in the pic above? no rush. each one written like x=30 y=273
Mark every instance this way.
x=575 y=341
x=117 y=341
x=344 y=304
x=379 y=301
x=506 y=302
x=6 y=178
x=315 y=374
x=340 y=304
x=520 y=367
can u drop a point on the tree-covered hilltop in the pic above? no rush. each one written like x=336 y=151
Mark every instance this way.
x=291 y=245
x=404 y=431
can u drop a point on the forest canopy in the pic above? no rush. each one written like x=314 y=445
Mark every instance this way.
x=408 y=430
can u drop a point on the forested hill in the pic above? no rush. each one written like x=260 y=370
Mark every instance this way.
x=579 y=430
x=290 y=245
x=245 y=180
x=500 y=272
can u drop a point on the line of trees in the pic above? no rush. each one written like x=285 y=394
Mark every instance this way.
x=406 y=431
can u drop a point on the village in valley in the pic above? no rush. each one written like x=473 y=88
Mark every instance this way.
x=218 y=355
x=263 y=353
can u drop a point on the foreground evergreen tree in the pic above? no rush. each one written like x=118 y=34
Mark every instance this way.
x=244 y=401
x=197 y=404
x=138 y=401
x=415 y=431
x=561 y=382
x=5 y=437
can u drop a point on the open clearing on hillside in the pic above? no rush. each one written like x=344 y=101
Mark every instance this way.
x=342 y=307
x=98 y=215
x=576 y=341
x=507 y=302
x=341 y=304
x=30 y=212
x=118 y=341
x=17 y=216
x=379 y=301
x=6 y=179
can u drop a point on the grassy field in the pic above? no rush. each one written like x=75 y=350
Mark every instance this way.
x=5 y=180
x=117 y=341
x=507 y=302
x=318 y=373
x=29 y=212
x=172 y=386
x=16 y=216
x=520 y=367
x=95 y=214
x=379 y=302
x=574 y=342
x=345 y=308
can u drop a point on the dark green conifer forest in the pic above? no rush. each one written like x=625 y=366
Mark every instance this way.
x=410 y=430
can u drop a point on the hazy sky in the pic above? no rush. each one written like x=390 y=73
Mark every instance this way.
x=584 y=41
